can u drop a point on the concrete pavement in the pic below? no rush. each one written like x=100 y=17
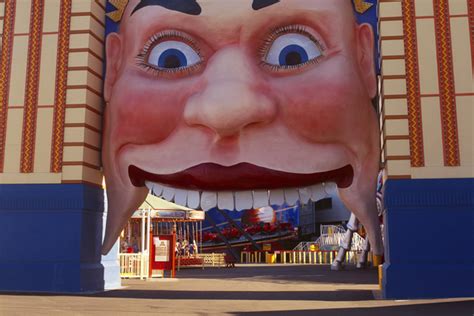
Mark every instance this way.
x=244 y=290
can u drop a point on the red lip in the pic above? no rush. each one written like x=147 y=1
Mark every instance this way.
x=243 y=176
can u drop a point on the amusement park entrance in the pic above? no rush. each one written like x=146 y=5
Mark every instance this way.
x=159 y=238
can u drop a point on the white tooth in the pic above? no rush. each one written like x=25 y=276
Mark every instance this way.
x=317 y=192
x=225 y=200
x=193 y=199
x=291 y=196
x=168 y=193
x=260 y=198
x=277 y=197
x=180 y=197
x=208 y=200
x=157 y=189
x=305 y=195
x=149 y=185
x=330 y=187
x=243 y=200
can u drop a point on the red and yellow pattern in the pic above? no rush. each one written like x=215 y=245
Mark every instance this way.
x=471 y=28
x=61 y=87
x=5 y=68
x=446 y=84
x=413 y=84
x=32 y=84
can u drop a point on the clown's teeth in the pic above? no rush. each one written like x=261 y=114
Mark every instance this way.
x=305 y=195
x=291 y=196
x=330 y=188
x=208 y=200
x=180 y=197
x=168 y=193
x=225 y=200
x=149 y=185
x=260 y=198
x=157 y=189
x=243 y=200
x=277 y=197
x=318 y=192
x=193 y=199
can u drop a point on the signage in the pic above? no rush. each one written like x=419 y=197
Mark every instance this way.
x=162 y=252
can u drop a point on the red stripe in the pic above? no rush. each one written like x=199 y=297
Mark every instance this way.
x=446 y=84
x=470 y=4
x=32 y=87
x=5 y=69
x=61 y=87
x=413 y=85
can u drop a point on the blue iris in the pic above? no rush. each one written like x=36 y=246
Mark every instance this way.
x=172 y=58
x=293 y=55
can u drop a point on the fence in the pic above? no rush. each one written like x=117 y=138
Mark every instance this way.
x=133 y=265
x=297 y=257
x=331 y=238
x=213 y=259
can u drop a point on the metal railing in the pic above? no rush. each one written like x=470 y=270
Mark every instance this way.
x=297 y=257
x=133 y=265
x=136 y=265
x=331 y=239
x=213 y=259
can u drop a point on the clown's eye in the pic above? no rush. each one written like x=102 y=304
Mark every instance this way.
x=172 y=55
x=291 y=47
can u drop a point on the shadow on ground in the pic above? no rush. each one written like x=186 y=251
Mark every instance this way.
x=464 y=308
x=341 y=295
x=286 y=273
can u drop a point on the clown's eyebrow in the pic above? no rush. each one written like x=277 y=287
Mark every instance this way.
x=190 y=7
x=260 y=4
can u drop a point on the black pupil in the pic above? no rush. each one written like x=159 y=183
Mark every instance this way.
x=172 y=61
x=293 y=58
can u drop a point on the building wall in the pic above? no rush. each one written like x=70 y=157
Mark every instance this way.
x=50 y=91
x=428 y=89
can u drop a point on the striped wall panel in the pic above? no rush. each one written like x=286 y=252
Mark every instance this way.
x=61 y=90
x=470 y=5
x=51 y=98
x=395 y=138
x=82 y=122
x=446 y=83
x=435 y=51
x=32 y=86
x=413 y=84
x=5 y=69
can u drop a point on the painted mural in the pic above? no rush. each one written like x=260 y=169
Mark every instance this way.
x=267 y=224
x=240 y=105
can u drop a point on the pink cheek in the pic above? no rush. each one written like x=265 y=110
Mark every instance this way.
x=146 y=116
x=317 y=110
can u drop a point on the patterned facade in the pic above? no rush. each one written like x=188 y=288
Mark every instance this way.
x=427 y=89
x=51 y=83
x=51 y=91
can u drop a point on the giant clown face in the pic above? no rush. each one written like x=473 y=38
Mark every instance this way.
x=239 y=104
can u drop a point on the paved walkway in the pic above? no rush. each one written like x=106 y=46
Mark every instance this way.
x=244 y=290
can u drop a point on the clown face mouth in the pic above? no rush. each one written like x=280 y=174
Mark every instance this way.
x=239 y=187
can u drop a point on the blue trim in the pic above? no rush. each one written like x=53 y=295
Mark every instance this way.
x=429 y=238
x=50 y=237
